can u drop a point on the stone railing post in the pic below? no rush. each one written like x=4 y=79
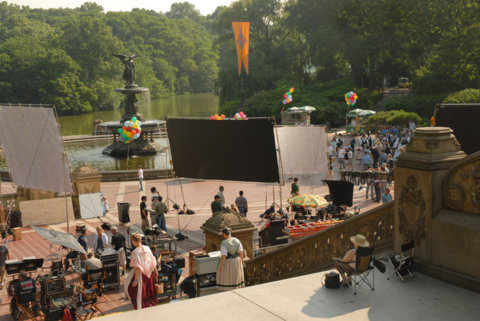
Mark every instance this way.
x=419 y=176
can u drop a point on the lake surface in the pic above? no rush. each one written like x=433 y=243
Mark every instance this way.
x=197 y=105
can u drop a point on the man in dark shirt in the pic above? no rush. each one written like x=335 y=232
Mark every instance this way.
x=216 y=205
x=82 y=239
x=4 y=255
x=144 y=213
x=295 y=188
x=119 y=244
x=242 y=204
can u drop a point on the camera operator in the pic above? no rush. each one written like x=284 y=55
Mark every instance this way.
x=91 y=264
x=25 y=289
x=119 y=244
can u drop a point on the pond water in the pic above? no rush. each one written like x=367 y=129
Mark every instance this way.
x=91 y=153
x=198 y=105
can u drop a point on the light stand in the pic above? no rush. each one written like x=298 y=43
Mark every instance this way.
x=179 y=235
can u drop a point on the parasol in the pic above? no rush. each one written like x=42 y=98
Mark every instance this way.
x=308 y=200
x=367 y=113
x=355 y=112
x=60 y=238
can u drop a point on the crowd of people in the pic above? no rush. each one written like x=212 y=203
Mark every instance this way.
x=370 y=153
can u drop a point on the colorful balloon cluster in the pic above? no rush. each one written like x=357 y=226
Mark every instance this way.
x=287 y=97
x=131 y=130
x=217 y=117
x=240 y=116
x=351 y=98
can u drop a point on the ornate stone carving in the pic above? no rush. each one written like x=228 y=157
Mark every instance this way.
x=315 y=252
x=241 y=228
x=412 y=212
x=462 y=185
x=455 y=196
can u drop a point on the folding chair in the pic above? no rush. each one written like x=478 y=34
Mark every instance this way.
x=364 y=256
x=403 y=263
x=27 y=309
x=90 y=290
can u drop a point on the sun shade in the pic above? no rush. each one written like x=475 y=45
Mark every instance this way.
x=60 y=238
x=33 y=148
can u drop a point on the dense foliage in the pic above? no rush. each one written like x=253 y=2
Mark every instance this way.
x=307 y=42
x=392 y=118
x=64 y=56
x=423 y=105
x=467 y=96
x=323 y=48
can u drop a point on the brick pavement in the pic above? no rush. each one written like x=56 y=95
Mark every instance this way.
x=198 y=195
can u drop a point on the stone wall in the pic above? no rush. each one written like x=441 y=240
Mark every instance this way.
x=437 y=205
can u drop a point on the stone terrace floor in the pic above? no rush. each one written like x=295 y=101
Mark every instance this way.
x=198 y=196
x=304 y=298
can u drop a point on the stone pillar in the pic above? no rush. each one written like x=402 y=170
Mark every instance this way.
x=241 y=228
x=86 y=179
x=419 y=176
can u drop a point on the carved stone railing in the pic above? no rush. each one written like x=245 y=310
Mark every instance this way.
x=314 y=253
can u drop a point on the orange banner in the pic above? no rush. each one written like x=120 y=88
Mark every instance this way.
x=242 y=32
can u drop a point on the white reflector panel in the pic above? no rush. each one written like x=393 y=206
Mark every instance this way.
x=33 y=148
x=304 y=153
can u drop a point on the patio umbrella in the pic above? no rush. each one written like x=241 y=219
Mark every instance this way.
x=60 y=238
x=293 y=109
x=355 y=112
x=308 y=109
x=308 y=200
x=366 y=113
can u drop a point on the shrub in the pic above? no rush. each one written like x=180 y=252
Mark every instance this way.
x=328 y=98
x=392 y=118
x=430 y=84
x=466 y=96
x=423 y=105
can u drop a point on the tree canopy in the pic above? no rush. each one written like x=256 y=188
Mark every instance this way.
x=64 y=56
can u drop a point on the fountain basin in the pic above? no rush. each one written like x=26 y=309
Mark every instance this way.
x=132 y=90
x=143 y=146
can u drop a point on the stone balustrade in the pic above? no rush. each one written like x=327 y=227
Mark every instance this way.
x=315 y=252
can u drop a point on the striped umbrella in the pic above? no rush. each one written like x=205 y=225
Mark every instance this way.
x=308 y=200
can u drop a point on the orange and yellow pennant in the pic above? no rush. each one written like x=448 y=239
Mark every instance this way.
x=242 y=32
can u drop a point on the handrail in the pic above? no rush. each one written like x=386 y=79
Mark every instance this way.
x=315 y=252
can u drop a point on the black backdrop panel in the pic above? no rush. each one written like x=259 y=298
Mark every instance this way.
x=342 y=192
x=463 y=120
x=235 y=150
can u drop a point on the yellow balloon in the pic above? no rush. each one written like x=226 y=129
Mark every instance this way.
x=135 y=125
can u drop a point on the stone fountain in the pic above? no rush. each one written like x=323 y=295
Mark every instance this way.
x=144 y=145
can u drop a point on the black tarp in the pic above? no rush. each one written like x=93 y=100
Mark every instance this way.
x=235 y=150
x=342 y=192
x=463 y=120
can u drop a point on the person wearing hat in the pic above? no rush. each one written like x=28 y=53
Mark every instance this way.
x=230 y=274
x=119 y=244
x=216 y=205
x=346 y=265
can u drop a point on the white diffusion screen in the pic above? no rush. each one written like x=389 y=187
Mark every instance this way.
x=303 y=151
x=90 y=205
x=33 y=148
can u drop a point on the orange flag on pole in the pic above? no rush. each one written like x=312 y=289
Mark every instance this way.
x=242 y=32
